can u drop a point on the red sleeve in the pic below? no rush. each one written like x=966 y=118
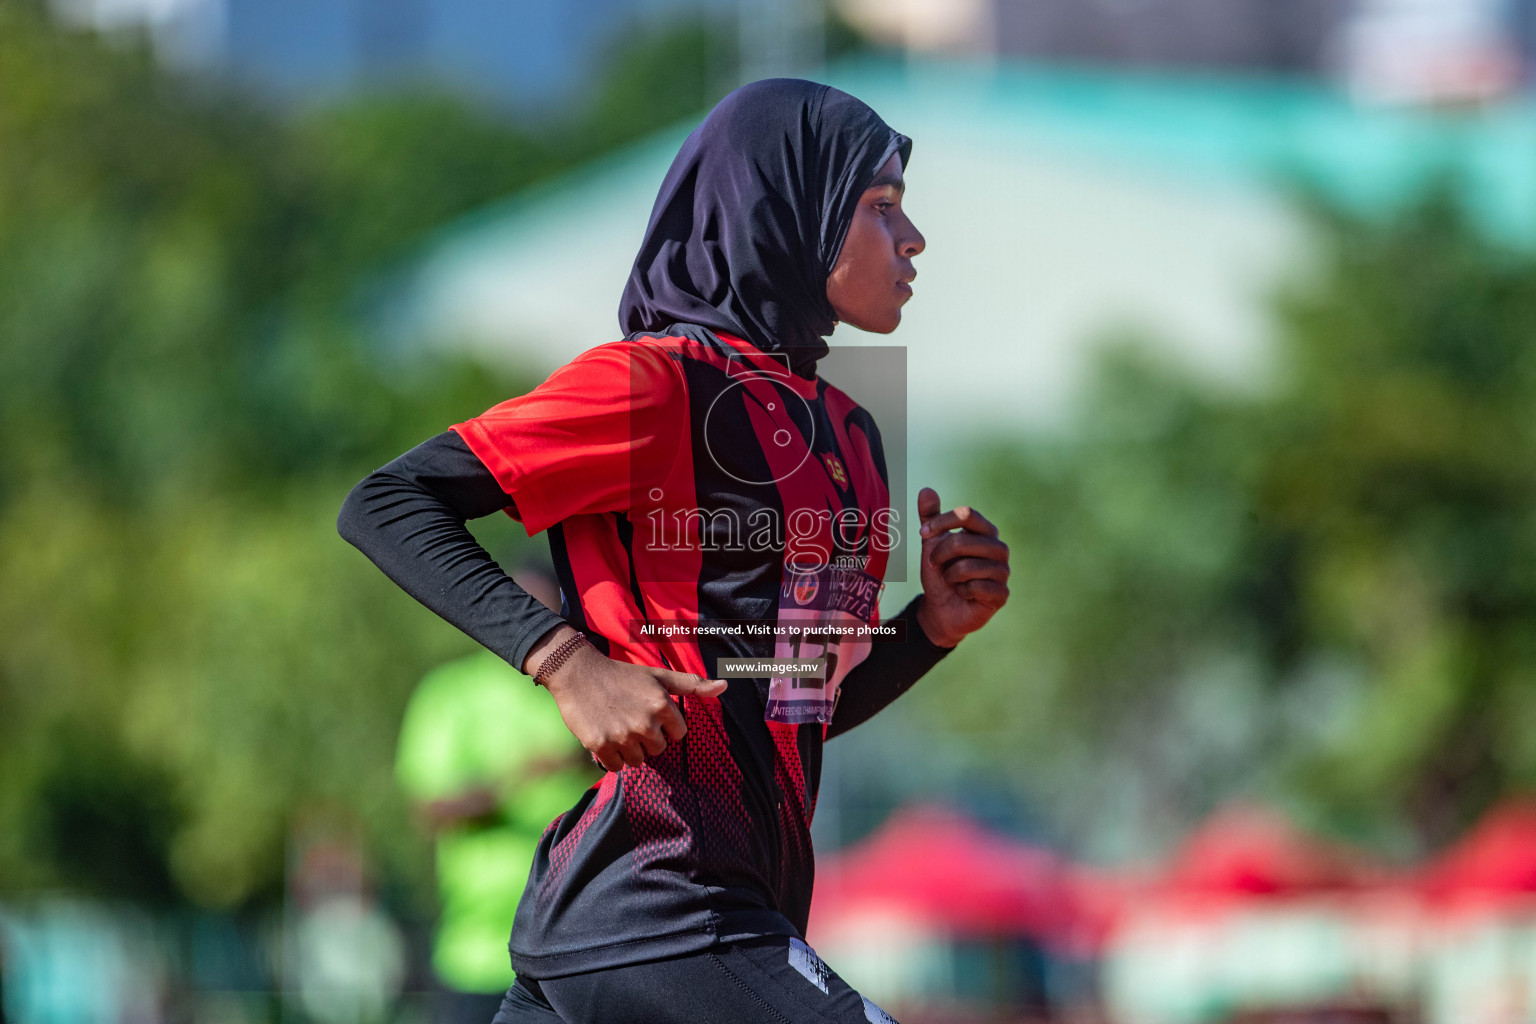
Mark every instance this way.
x=596 y=436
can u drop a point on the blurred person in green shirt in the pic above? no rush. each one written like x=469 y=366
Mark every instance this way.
x=489 y=764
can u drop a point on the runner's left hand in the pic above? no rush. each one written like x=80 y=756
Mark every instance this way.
x=964 y=573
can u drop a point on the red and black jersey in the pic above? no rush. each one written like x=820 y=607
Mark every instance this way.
x=685 y=483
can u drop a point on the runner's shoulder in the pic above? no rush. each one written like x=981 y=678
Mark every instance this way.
x=645 y=367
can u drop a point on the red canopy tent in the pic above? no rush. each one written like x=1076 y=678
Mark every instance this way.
x=939 y=870
x=1246 y=851
x=1494 y=865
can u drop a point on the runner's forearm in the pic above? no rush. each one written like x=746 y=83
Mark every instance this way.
x=888 y=672
x=408 y=518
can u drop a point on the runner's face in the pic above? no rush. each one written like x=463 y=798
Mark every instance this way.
x=872 y=278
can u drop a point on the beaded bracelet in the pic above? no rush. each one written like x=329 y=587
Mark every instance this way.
x=559 y=656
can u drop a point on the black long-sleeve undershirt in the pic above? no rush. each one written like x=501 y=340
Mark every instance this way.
x=888 y=672
x=409 y=518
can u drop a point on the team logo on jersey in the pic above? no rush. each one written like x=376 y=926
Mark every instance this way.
x=835 y=469
x=805 y=589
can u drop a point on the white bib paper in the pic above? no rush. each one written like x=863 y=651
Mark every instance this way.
x=820 y=611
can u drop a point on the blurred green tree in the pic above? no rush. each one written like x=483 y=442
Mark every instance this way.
x=1323 y=592
x=190 y=659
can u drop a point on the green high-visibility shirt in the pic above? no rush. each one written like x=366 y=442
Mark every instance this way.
x=479 y=723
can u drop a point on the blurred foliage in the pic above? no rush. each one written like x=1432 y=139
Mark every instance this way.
x=700 y=61
x=1323 y=593
x=190 y=658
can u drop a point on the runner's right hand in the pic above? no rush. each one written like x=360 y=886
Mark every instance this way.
x=621 y=713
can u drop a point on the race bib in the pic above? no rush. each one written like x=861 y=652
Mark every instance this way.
x=819 y=612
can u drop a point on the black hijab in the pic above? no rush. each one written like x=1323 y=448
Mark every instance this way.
x=752 y=215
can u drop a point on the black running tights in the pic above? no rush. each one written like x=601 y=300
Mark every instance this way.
x=761 y=981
